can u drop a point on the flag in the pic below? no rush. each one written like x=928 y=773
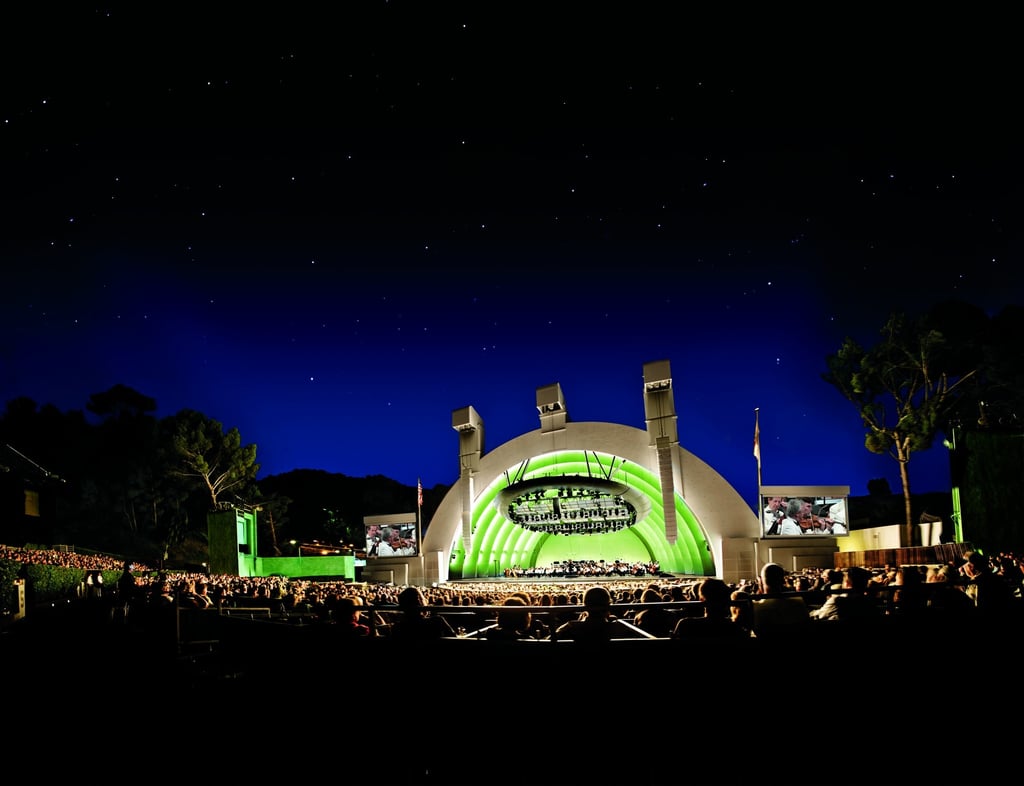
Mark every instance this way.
x=419 y=493
x=757 y=437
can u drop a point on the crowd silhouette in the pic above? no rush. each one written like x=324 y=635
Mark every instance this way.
x=651 y=607
x=283 y=642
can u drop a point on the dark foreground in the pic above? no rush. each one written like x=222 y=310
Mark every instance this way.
x=90 y=702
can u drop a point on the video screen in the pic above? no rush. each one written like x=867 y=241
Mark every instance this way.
x=391 y=540
x=785 y=516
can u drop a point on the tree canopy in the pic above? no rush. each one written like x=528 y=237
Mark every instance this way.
x=202 y=450
x=908 y=385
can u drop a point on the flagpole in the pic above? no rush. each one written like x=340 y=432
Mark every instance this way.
x=419 y=514
x=419 y=529
x=757 y=445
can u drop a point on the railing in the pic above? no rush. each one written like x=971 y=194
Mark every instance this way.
x=206 y=626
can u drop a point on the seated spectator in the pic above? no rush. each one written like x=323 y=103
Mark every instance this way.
x=563 y=611
x=776 y=608
x=818 y=586
x=656 y=619
x=187 y=595
x=161 y=613
x=1012 y=571
x=989 y=590
x=161 y=596
x=128 y=591
x=537 y=629
x=741 y=612
x=911 y=597
x=945 y=595
x=717 y=621
x=854 y=602
x=347 y=615
x=594 y=624
x=831 y=579
x=202 y=594
x=416 y=622
x=513 y=621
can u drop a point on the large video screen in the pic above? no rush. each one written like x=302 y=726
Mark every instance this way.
x=391 y=540
x=791 y=512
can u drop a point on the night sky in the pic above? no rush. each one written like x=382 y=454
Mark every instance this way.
x=330 y=226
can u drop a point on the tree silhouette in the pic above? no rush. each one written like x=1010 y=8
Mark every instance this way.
x=204 y=452
x=904 y=389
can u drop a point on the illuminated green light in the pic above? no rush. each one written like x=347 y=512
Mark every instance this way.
x=497 y=543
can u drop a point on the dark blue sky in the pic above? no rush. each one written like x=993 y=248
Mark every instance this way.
x=332 y=229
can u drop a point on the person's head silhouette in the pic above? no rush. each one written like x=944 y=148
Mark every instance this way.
x=411 y=600
x=773 y=577
x=597 y=602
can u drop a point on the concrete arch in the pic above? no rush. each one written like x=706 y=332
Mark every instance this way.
x=693 y=510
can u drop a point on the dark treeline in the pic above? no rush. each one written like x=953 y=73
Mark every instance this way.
x=121 y=480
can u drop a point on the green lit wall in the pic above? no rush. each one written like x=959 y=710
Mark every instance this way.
x=335 y=566
x=231 y=535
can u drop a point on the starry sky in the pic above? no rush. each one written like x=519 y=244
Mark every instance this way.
x=330 y=227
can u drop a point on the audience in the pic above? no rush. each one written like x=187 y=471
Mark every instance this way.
x=667 y=607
